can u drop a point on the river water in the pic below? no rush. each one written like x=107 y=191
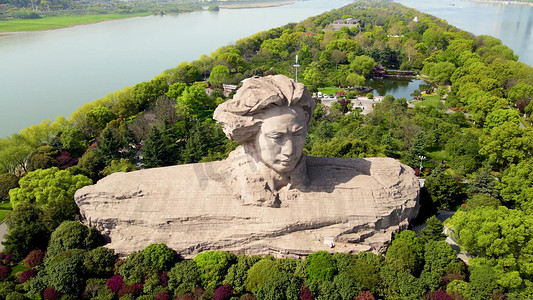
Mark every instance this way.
x=50 y=73
x=512 y=23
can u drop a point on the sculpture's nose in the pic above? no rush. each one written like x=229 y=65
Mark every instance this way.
x=288 y=148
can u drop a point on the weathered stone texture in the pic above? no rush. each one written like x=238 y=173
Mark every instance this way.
x=198 y=207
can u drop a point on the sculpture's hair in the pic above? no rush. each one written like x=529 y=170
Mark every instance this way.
x=240 y=117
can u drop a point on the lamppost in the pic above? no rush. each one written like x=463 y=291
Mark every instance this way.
x=422 y=158
x=296 y=65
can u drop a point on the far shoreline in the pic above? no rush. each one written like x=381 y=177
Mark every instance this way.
x=256 y=5
x=122 y=17
x=503 y=3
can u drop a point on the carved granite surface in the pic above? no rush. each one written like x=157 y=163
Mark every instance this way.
x=265 y=198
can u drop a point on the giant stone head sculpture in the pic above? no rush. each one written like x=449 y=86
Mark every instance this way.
x=270 y=117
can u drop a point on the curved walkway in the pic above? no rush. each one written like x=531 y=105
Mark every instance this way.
x=3 y=231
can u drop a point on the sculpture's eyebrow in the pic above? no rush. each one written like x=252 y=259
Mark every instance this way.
x=299 y=129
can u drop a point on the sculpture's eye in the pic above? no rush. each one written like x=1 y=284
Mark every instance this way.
x=275 y=136
x=299 y=132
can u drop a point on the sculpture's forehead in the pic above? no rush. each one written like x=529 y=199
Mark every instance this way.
x=284 y=119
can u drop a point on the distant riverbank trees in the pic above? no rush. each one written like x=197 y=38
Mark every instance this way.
x=473 y=149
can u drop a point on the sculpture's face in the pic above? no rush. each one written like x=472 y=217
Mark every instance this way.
x=281 y=139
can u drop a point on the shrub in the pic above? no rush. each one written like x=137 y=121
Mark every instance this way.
x=321 y=266
x=130 y=289
x=438 y=295
x=163 y=295
x=8 y=259
x=34 y=258
x=69 y=235
x=40 y=161
x=365 y=295
x=223 y=293
x=6 y=288
x=4 y=272
x=164 y=279
x=370 y=96
x=99 y=262
x=50 y=294
x=159 y=256
x=65 y=272
x=306 y=294
x=259 y=273
x=27 y=275
x=26 y=14
x=214 y=266
x=183 y=277
x=15 y=296
x=7 y=181
x=115 y=283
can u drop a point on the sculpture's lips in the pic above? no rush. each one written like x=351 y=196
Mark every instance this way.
x=286 y=162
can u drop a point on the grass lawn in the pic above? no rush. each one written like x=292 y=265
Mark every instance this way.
x=20 y=267
x=429 y=101
x=329 y=90
x=5 y=208
x=46 y=23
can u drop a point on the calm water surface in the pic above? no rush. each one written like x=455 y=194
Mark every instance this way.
x=50 y=73
x=399 y=88
x=512 y=23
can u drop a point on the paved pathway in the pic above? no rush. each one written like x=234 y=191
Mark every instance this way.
x=442 y=215
x=3 y=230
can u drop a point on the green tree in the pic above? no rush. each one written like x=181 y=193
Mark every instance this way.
x=499 y=238
x=516 y=185
x=417 y=149
x=65 y=272
x=159 y=256
x=438 y=255
x=136 y=268
x=279 y=287
x=320 y=267
x=40 y=161
x=520 y=92
x=26 y=230
x=184 y=73
x=194 y=100
x=443 y=189
x=214 y=266
x=99 y=262
x=114 y=142
x=259 y=273
x=67 y=236
x=237 y=273
x=406 y=253
x=507 y=143
x=500 y=116
x=347 y=286
x=482 y=283
x=433 y=230
x=184 y=277
x=98 y=118
x=483 y=183
x=355 y=80
x=8 y=181
x=442 y=71
x=175 y=90
x=44 y=187
x=122 y=165
x=154 y=149
x=73 y=140
x=313 y=75
x=219 y=75
x=363 y=65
